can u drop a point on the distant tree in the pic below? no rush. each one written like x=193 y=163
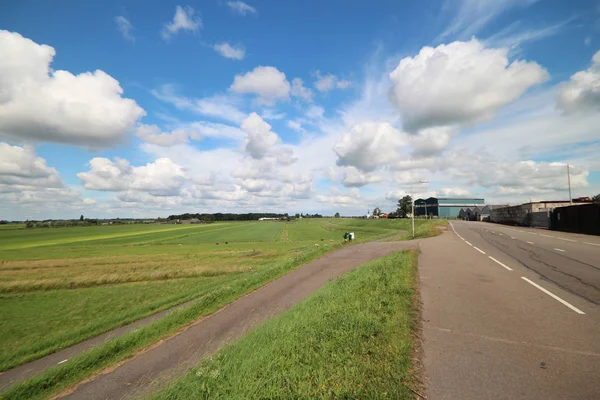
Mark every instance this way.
x=297 y=215
x=81 y=218
x=377 y=211
x=337 y=215
x=596 y=198
x=404 y=206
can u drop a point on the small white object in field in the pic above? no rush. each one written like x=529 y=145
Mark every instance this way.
x=180 y=244
x=316 y=244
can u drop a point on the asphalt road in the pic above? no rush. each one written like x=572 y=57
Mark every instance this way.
x=510 y=313
x=140 y=375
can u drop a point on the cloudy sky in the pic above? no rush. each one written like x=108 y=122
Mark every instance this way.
x=145 y=109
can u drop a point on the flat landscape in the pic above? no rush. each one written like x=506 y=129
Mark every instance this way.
x=60 y=286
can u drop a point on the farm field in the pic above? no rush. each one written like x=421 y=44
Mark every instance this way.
x=59 y=286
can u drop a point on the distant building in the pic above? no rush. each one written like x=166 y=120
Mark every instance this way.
x=445 y=207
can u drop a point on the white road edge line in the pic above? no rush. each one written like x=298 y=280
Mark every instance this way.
x=530 y=242
x=468 y=243
x=561 y=250
x=513 y=237
x=546 y=235
x=63 y=361
x=479 y=250
x=496 y=261
x=454 y=230
x=593 y=244
x=555 y=297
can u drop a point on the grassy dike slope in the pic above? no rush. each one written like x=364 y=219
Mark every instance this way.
x=351 y=339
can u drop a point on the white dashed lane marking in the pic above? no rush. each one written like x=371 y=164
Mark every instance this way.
x=561 y=250
x=555 y=297
x=479 y=250
x=498 y=262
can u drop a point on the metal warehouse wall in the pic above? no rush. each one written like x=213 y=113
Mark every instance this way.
x=449 y=212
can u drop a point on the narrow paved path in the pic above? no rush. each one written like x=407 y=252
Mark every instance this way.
x=507 y=315
x=36 y=367
x=172 y=357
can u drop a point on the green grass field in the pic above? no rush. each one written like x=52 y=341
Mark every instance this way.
x=349 y=340
x=61 y=286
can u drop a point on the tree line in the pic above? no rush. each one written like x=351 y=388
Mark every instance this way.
x=403 y=210
x=226 y=216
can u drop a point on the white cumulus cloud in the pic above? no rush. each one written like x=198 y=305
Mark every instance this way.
x=582 y=91
x=268 y=83
x=260 y=139
x=160 y=178
x=183 y=20
x=299 y=90
x=368 y=146
x=352 y=177
x=21 y=168
x=40 y=104
x=458 y=83
x=431 y=141
x=229 y=51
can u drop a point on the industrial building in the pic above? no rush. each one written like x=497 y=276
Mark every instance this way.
x=536 y=213
x=445 y=207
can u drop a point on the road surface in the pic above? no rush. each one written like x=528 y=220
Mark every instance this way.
x=510 y=313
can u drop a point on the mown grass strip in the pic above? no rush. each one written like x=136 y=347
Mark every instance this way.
x=61 y=377
x=351 y=339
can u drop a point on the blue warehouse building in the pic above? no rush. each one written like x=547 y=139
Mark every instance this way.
x=445 y=207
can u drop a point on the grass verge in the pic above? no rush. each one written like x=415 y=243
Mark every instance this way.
x=351 y=339
x=426 y=228
x=63 y=376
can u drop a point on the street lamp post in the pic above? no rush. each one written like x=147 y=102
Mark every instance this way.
x=412 y=195
x=569 y=180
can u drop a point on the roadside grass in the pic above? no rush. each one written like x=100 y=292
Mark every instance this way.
x=425 y=228
x=62 y=376
x=351 y=339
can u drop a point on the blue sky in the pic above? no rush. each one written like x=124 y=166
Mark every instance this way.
x=311 y=106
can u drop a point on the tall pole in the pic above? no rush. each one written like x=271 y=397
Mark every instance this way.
x=413 y=213
x=569 y=179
